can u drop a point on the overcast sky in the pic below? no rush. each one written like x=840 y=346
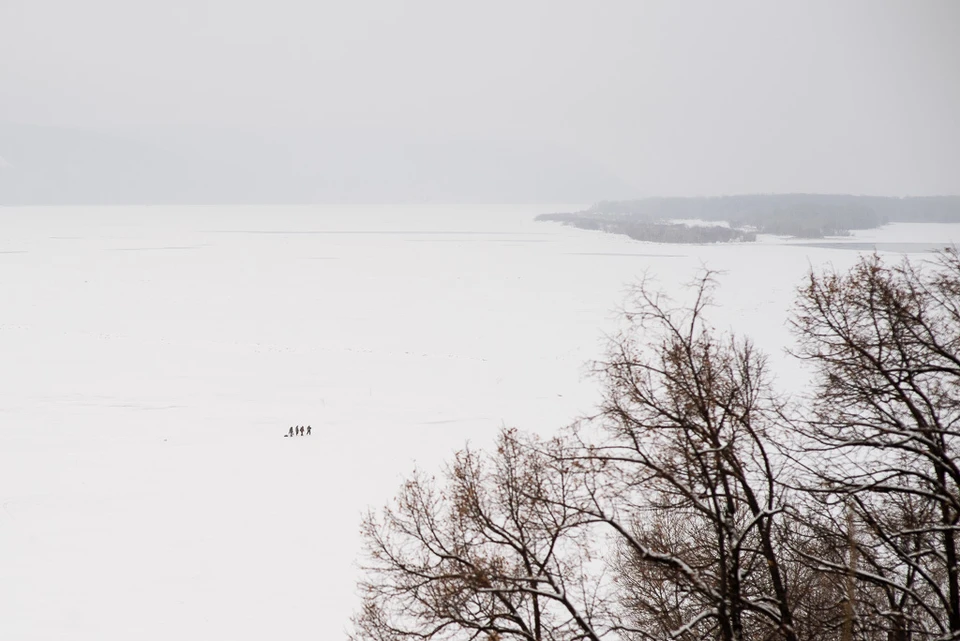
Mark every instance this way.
x=675 y=98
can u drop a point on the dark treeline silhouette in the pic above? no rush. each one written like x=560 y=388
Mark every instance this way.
x=701 y=503
x=653 y=231
x=800 y=215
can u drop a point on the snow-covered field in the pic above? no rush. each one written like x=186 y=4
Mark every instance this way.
x=153 y=357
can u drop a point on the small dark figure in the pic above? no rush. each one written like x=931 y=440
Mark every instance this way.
x=308 y=430
x=301 y=430
x=290 y=433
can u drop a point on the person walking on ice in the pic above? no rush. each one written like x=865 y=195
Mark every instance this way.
x=290 y=433
x=308 y=430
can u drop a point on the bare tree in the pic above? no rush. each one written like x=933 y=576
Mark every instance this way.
x=883 y=440
x=686 y=477
x=491 y=552
x=677 y=512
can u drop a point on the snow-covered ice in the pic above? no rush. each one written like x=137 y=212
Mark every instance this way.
x=153 y=358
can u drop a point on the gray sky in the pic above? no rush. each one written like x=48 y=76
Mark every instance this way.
x=674 y=98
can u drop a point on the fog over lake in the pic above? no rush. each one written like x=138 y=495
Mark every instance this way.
x=213 y=102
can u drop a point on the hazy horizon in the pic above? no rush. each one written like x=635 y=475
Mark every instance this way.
x=248 y=102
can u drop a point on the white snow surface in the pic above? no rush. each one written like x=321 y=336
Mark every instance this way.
x=153 y=358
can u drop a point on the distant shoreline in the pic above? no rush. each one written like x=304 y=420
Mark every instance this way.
x=807 y=216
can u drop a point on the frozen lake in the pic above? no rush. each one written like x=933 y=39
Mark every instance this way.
x=154 y=357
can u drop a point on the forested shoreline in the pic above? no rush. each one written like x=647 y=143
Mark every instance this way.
x=742 y=217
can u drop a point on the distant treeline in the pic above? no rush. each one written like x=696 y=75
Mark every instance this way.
x=799 y=215
x=657 y=232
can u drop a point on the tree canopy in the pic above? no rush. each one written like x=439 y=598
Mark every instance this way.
x=698 y=503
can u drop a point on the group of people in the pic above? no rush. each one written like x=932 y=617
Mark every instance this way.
x=299 y=430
